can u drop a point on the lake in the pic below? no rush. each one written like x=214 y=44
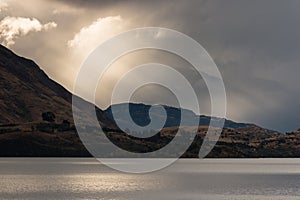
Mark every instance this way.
x=86 y=178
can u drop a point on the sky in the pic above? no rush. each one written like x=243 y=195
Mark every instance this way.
x=255 y=45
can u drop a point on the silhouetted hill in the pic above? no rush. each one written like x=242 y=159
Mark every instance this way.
x=30 y=105
x=26 y=92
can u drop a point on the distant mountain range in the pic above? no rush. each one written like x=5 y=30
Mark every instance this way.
x=140 y=115
x=36 y=120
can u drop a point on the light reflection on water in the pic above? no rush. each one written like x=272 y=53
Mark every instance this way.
x=78 y=178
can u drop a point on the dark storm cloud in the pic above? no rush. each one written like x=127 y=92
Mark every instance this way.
x=256 y=45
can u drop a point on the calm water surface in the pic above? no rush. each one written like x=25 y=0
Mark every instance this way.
x=80 y=178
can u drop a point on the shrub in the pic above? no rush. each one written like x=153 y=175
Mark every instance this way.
x=48 y=116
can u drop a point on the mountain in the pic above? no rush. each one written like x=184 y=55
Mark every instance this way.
x=36 y=120
x=26 y=91
x=32 y=106
x=140 y=115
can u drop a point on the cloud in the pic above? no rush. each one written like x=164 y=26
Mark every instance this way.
x=61 y=9
x=3 y=6
x=89 y=37
x=13 y=27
